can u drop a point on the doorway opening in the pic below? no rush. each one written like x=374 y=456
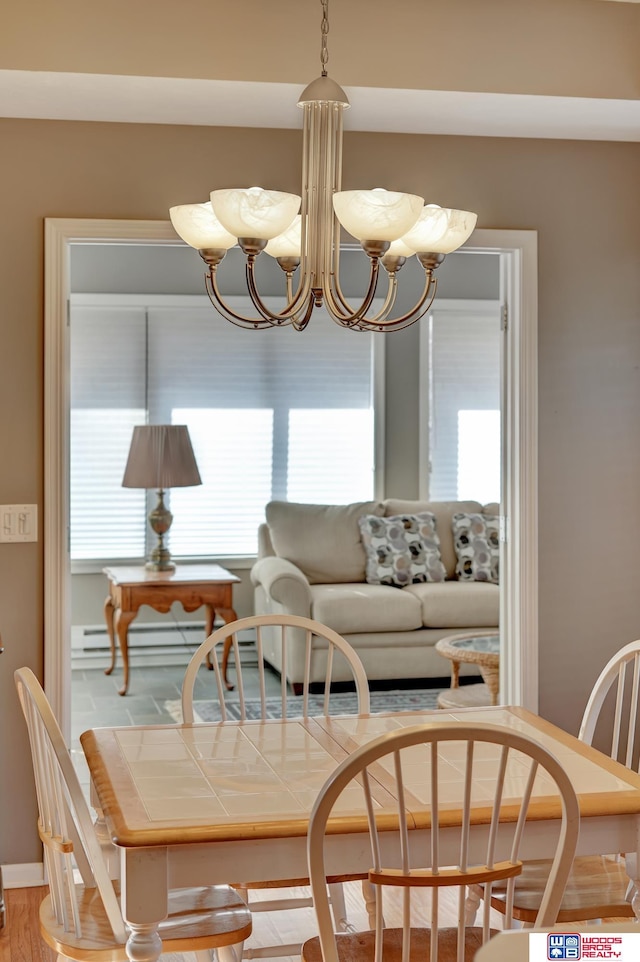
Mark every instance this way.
x=517 y=254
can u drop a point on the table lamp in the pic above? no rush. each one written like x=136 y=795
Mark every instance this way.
x=161 y=457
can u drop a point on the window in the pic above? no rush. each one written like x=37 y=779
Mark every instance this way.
x=271 y=414
x=460 y=403
x=479 y=456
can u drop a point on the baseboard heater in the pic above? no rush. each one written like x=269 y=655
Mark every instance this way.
x=193 y=630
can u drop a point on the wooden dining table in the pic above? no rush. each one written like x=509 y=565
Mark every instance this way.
x=219 y=803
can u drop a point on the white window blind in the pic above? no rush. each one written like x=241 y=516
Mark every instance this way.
x=271 y=414
x=461 y=374
x=108 y=397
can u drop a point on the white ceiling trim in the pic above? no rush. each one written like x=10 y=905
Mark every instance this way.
x=166 y=100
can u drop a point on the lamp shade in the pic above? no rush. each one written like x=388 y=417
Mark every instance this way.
x=254 y=212
x=377 y=214
x=161 y=457
x=440 y=230
x=199 y=227
x=398 y=248
x=289 y=243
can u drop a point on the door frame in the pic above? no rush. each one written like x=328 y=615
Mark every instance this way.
x=519 y=594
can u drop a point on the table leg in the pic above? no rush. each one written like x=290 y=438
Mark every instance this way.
x=108 y=617
x=631 y=862
x=144 y=944
x=208 y=629
x=122 y=621
x=472 y=904
x=144 y=889
x=228 y=615
x=109 y=851
x=369 y=895
x=455 y=673
x=491 y=678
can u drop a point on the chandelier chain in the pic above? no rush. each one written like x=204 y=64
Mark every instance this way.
x=324 y=28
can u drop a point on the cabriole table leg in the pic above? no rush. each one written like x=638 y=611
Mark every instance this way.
x=122 y=621
x=108 y=617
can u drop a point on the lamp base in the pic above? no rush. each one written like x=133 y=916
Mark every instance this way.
x=160 y=520
x=167 y=565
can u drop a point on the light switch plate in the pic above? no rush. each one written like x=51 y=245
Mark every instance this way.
x=18 y=522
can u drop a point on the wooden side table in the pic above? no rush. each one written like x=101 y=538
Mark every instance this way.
x=475 y=648
x=192 y=585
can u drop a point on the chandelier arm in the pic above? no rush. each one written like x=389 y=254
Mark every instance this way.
x=299 y=325
x=338 y=307
x=289 y=287
x=249 y=323
x=389 y=301
x=398 y=323
x=290 y=312
x=334 y=280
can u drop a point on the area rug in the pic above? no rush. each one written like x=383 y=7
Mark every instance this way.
x=342 y=703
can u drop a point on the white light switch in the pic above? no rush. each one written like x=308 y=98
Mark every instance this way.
x=18 y=522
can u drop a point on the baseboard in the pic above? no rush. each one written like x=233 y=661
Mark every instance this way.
x=23 y=875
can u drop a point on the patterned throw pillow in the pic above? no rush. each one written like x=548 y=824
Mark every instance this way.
x=476 y=538
x=401 y=550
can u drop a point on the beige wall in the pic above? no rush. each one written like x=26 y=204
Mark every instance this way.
x=582 y=198
x=574 y=48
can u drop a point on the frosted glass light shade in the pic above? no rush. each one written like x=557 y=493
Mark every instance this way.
x=461 y=226
x=440 y=230
x=199 y=227
x=377 y=215
x=398 y=248
x=288 y=244
x=254 y=212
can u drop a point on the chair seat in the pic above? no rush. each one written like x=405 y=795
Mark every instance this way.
x=198 y=918
x=360 y=946
x=596 y=889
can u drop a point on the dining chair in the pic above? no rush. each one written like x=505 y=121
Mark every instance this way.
x=318 y=640
x=81 y=918
x=598 y=886
x=443 y=776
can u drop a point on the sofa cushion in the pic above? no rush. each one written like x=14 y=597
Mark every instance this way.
x=323 y=540
x=476 y=538
x=458 y=604
x=351 y=608
x=444 y=512
x=401 y=550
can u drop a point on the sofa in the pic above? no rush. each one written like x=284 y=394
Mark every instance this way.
x=331 y=563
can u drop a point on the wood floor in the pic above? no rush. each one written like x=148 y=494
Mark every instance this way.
x=20 y=940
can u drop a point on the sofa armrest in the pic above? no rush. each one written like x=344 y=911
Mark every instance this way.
x=285 y=583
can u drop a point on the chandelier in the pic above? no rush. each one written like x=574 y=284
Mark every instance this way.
x=304 y=232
